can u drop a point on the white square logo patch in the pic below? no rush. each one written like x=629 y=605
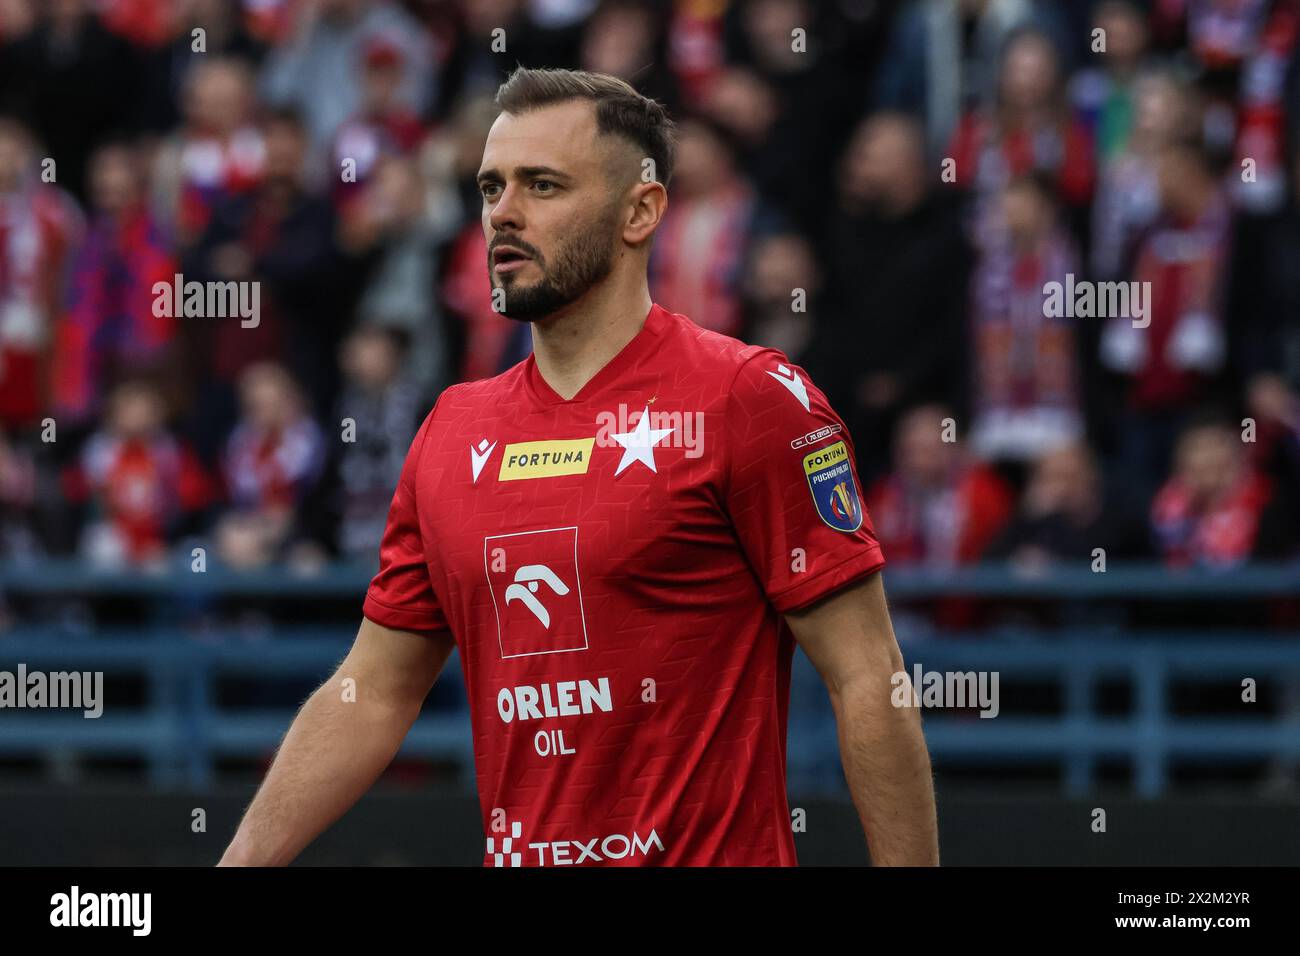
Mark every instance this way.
x=536 y=592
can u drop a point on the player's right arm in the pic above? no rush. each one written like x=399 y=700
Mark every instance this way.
x=340 y=742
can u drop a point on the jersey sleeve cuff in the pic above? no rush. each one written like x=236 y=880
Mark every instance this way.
x=403 y=618
x=828 y=582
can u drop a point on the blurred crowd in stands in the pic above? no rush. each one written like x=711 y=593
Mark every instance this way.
x=922 y=170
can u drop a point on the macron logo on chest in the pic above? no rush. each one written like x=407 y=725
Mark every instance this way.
x=479 y=456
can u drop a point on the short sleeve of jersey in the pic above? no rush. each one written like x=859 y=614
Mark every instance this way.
x=792 y=489
x=401 y=593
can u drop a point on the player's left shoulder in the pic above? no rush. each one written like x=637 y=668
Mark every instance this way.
x=757 y=373
x=767 y=382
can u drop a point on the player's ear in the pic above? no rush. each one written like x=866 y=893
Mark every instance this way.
x=649 y=203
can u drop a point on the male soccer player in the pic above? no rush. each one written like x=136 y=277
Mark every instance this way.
x=623 y=535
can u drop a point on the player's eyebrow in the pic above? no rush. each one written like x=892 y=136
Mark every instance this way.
x=493 y=175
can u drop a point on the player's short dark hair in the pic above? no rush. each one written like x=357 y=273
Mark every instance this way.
x=620 y=109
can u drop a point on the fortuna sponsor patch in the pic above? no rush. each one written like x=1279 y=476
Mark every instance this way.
x=830 y=479
x=546 y=459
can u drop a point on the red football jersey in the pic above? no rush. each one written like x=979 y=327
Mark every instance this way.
x=614 y=568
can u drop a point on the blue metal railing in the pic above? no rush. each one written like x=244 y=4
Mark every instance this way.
x=181 y=731
x=1150 y=735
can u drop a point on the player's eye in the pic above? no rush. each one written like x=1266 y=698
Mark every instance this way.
x=487 y=189
x=545 y=182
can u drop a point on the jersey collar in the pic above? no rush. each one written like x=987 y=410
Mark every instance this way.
x=642 y=344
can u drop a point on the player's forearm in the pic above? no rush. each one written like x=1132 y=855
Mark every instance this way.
x=333 y=753
x=887 y=767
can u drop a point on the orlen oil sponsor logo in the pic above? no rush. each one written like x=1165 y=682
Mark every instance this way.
x=545 y=459
x=567 y=698
x=606 y=849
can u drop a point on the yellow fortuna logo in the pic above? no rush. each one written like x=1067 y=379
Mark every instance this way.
x=546 y=459
x=824 y=458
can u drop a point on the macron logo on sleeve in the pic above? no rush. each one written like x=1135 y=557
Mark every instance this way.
x=791 y=380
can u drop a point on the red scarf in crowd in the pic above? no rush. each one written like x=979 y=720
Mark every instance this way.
x=1219 y=534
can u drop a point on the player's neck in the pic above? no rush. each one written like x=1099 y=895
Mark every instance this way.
x=571 y=347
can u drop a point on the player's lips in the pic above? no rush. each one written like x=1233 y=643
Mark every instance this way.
x=508 y=258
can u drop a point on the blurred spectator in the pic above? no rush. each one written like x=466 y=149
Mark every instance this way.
x=167 y=67
x=111 y=328
x=39 y=228
x=1275 y=409
x=1105 y=94
x=72 y=82
x=282 y=237
x=763 y=102
x=1172 y=363
x=1222 y=33
x=1065 y=514
x=218 y=153
x=1216 y=510
x=700 y=247
x=384 y=126
x=273 y=460
x=311 y=71
x=492 y=341
x=140 y=481
x=145 y=23
x=393 y=226
x=1262 y=103
x=1264 y=299
x=893 y=330
x=780 y=266
x=19 y=540
x=348 y=510
x=17 y=17
x=1028 y=129
x=627 y=39
x=1128 y=193
x=475 y=63
x=1026 y=397
x=1264 y=337
x=937 y=508
x=940 y=58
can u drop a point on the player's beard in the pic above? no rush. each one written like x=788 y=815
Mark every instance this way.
x=581 y=262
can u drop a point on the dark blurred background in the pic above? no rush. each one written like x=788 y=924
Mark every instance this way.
x=1107 y=516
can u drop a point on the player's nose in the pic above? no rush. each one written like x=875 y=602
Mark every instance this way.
x=506 y=213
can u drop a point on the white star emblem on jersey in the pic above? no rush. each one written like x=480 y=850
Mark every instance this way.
x=639 y=443
x=791 y=380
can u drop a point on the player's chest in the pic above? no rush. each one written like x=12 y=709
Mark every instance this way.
x=534 y=501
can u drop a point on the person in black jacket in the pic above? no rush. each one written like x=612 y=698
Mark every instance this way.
x=892 y=330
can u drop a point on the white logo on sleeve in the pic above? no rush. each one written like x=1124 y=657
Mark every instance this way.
x=639 y=443
x=525 y=586
x=479 y=457
x=791 y=380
